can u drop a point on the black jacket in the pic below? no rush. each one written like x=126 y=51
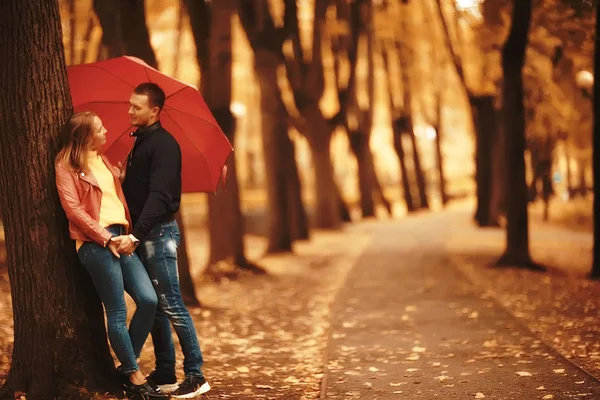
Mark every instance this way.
x=152 y=183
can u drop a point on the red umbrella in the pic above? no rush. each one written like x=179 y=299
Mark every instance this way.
x=105 y=87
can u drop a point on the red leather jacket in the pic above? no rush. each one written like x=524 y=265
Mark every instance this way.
x=80 y=197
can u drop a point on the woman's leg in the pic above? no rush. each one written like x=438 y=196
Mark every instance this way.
x=139 y=287
x=105 y=271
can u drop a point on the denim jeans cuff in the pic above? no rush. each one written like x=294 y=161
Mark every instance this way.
x=195 y=374
x=128 y=371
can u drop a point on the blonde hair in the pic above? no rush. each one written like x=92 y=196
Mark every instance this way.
x=77 y=137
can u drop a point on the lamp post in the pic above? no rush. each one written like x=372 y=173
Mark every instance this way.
x=584 y=80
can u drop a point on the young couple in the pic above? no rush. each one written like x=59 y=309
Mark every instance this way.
x=122 y=220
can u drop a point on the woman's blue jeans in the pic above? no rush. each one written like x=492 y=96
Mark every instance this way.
x=112 y=277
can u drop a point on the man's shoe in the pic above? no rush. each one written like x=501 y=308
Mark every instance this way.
x=167 y=382
x=143 y=392
x=191 y=387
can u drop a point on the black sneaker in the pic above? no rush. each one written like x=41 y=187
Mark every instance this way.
x=143 y=392
x=167 y=382
x=191 y=387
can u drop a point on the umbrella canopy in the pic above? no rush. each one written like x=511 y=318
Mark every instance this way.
x=104 y=87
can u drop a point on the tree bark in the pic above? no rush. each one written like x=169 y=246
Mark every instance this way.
x=595 y=274
x=359 y=143
x=109 y=15
x=327 y=198
x=274 y=127
x=485 y=127
x=226 y=223
x=136 y=38
x=513 y=58
x=397 y=127
x=299 y=224
x=60 y=348
x=582 y=181
x=497 y=205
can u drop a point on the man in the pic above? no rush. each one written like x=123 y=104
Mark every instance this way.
x=152 y=186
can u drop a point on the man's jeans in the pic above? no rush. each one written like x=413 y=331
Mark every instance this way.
x=158 y=252
x=112 y=277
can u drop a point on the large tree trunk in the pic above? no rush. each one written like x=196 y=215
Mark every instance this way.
x=485 y=133
x=135 y=32
x=274 y=127
x=60 y=348
x=226 y=222
x=327 y=196
x=595 y=274
x=109 y=15
x=513 y=58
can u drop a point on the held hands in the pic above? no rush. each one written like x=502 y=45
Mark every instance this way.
x=121 y=245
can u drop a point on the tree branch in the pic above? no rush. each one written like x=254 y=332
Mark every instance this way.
x=456 y=61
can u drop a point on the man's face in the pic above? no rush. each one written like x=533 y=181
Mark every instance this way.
x=140 y=112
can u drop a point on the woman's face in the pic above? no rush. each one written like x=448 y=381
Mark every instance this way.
x=99 y=136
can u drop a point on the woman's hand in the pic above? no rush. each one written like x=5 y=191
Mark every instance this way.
x=113 y=246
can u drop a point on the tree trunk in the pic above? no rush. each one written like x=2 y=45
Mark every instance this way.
x=359 y=143
x=595 y=274
x=109 y=15
x=327 y=197
x=421 y=185
x=226 y=223
x=513 y=57
x=298 y=218
x=497 y=204
x=60 y=348
x=438 y=151
x=136 y=38
x=186 y=282
x=485 y=132
x=274 y=128
x=583 y=187
x=405 y=58
x=398 y=126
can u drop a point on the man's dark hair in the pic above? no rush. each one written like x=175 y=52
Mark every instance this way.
x=156 y=96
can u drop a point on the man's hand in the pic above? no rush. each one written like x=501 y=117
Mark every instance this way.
x=113 y=246
x=126 y=245
x=122 y=171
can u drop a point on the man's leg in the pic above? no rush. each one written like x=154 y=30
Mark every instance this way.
x=161 y=262
x=162 y=339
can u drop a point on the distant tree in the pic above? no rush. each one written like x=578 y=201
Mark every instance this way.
x=60 y=348
x=513 y=59
x=596 y=148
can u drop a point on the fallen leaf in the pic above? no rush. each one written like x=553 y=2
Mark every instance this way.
x=418 y=349
x=540 y=388
x=264 y=387
x=242 y=369
x=479 y=395
x=373 y=369
x=548 y=396
x=559 y=371
x=524 y=373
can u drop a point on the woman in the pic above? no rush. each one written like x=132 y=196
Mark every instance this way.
x=91 y=195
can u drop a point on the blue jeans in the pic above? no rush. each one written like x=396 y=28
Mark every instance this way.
x=158 y=252
x=112 y=277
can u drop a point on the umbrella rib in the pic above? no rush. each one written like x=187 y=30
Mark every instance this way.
x=193 y=143
x=194 y=116
x=109 y=72
x=177 y=91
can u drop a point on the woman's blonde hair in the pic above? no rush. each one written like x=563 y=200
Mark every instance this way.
x=77 y=137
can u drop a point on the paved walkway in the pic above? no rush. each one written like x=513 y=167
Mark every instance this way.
x=409 y=326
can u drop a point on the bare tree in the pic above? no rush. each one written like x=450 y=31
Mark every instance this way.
x=60 y=348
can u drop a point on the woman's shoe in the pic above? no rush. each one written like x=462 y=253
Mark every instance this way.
x=143 y=392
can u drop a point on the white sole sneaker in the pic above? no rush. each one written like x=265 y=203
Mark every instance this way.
x=168 y=388
x=202 y=389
